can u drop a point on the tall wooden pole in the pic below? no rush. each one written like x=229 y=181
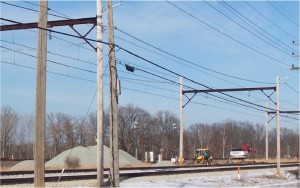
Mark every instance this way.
x=278 y=125
x=100 y=127
x=267 y=132
x=181 y=159
x=114 y=150
x=40 y=110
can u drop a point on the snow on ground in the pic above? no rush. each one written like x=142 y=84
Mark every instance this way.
x=248 y=178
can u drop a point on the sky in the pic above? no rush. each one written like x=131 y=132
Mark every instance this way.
x=212 y=45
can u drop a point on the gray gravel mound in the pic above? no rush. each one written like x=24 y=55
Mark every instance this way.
x=87 y=159
x=23 y=165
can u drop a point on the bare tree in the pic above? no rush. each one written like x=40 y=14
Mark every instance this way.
x=163 y=122
x=55 y=133
x=25 y=137
x=81 y=132
x=132 y=126
x=9 y=122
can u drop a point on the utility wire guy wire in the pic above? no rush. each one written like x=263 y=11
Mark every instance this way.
x=137 y=56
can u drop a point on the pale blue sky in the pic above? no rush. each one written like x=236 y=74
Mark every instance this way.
x=199 y=34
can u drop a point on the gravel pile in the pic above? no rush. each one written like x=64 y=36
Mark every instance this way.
x=87 y=157
x=23 y=165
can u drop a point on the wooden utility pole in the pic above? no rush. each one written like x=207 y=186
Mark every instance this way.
x=100 y=127
x=114 y=150
x=267 y=132
x=181 y=159
x=278 y=125
x=40 y=110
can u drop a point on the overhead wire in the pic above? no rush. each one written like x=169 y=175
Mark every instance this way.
x=166 y=52
x=118 y=61
x=265 y=33
x=135 y=90
x=25 y=8
x=284 y=15
x=292 y=88
x=51 y=30
x=68 y=66
x=187 y=61
x=53 y=53
x=65 y=16
x=126 y=88
x=228 y=36
x=146 y=60
x=270 y=21
x=261 y=38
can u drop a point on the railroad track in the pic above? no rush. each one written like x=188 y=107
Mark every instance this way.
x=21 y=177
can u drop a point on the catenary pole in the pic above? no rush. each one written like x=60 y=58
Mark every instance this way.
x=181 y=159
x=267 y=132
x=100 y=128
x=114 y=151
x=278 y=125
x=40 y=110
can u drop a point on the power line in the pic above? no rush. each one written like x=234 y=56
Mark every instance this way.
x=60 y=55
x=137 y=69
x=25 y=8
x=187 y=61
x=286 y=47
x=69 y=66
x=65 y=16
x=154 y=94
x=146 y=60
x=246 y=28
x=270 y=21
x=292 y=88
x=228 y=36
x=283 y=14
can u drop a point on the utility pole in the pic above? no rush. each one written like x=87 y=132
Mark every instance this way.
x=100 y=127
x=114 y=150
x=181 y=159
x=40 y=110
x=278 y=126
x=267 y=132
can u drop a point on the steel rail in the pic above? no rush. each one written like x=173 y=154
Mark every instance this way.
x=137 y=172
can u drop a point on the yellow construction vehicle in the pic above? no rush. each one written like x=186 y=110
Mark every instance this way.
x=203 y=156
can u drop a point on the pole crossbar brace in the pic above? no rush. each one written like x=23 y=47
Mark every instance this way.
x=83 y=36
x=269 y=96
x=272 y=117
x=188 y=100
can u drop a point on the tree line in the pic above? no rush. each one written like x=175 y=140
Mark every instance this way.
x=139 y=132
